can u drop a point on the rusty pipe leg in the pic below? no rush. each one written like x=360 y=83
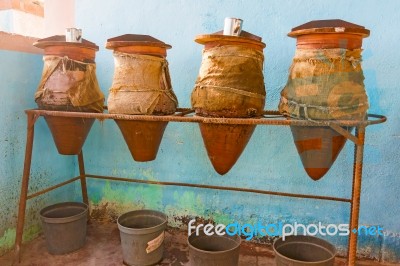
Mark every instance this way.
x=82 y=176
x=356 y=192
x=24 y=185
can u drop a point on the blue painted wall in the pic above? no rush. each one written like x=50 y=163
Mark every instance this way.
x=19 y=76
x=270 y=160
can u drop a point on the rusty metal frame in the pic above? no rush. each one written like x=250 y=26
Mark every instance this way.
x=187 y=115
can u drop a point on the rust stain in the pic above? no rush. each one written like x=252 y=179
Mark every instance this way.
x=103 y=213
x=184 y=220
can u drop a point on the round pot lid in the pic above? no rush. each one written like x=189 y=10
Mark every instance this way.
x=59 y=40
x=329 y=26
x=244 y=38
x=135 y=40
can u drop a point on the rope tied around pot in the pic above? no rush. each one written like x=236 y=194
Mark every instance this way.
x=315 y=56
x=141 y=85
x=230 y=82
x=325 y=84
x=69 y=84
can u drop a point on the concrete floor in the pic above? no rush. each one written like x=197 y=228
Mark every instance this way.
x=103 y=249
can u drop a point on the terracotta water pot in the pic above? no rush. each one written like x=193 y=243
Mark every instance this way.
x=142 y=137
x=225 y=143
x=319 y=147
x=69 y=133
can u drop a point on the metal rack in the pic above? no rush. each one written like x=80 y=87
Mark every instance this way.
x=272 y=118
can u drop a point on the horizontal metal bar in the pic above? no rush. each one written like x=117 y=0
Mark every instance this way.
x=249 y=190
x=53 y=187
x=186 y=115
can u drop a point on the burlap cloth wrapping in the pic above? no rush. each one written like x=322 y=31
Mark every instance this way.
x=230 y=82
x=69 y=85
x=141 y=85
x=325 y=84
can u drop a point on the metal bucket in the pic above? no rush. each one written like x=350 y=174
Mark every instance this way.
x=142 y=236
x=64 y=225
x=304 y=250
x=213 y=250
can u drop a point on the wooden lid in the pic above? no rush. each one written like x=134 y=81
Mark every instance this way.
x=245 y=38
x=135 y=40
x=329 y=26
x=59 y=40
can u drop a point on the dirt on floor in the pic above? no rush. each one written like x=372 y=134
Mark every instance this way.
x=103 y=249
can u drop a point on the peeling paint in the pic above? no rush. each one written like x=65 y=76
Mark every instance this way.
x=8 y=239
x=32 y=232
x=117 y=199
x=106 y=211
x=184 y=205
x=144 y=195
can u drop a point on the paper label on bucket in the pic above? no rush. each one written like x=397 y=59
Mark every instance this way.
x=155 y=243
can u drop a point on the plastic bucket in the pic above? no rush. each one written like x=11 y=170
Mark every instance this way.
x=304 y=250
x=64 y=225
x=213 y=250
x=142 y=236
